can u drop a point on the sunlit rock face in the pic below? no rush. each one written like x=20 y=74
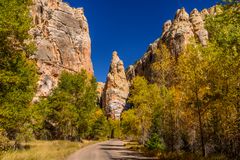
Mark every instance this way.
x=116 y=89
x=197 y=20
x=62 y=38
x=176 y=34
x=183 y=28
x=179 y=33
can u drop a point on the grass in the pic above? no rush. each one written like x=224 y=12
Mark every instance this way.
x=45 y=150
x=135 y=146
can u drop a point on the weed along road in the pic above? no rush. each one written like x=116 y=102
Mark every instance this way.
x=108 y=150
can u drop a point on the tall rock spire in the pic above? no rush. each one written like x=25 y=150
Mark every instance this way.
x=116 y=89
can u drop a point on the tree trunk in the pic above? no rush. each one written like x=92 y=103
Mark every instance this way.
x=112 y=133
x=143 y=132
x=200 y=123
x=172 y=129
x=201 y=131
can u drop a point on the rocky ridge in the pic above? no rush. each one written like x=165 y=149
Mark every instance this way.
x=62 y=38
x=116 y=89
x=176 y=34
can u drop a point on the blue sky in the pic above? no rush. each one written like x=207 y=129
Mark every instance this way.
x=128 y=26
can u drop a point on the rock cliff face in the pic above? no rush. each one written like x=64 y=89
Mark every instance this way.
x=62 y=38
x=176 y=35
x=116 y=89
x=142 y=66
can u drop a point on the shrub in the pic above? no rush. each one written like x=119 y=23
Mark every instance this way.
x=155 y=143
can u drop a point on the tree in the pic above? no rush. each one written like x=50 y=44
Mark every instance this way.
x=164 y=67
x=18 y=76
x=144 y=97
x=165 y=116
x=193 y=68
x=99 y=125
x=224 y=33
x=231 y=2
x=15 y=22
x=208 y=83
x=130 y=124
x=69 y=110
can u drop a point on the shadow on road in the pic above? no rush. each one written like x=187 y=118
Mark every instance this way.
x=123 y=153
x=111 y=145
x=112 y=149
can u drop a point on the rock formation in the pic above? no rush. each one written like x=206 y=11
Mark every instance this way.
x=142 y=66
x=179 y=33
x=116 y=89
x=100 y=87
x=62 y=38
x=176 y=35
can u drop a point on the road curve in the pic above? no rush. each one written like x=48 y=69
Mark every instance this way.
x=108 y=150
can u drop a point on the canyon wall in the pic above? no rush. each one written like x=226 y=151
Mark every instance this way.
x=62 y=38
x=176 y=34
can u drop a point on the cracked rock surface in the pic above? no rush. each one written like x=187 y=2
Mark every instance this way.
x=62 y=38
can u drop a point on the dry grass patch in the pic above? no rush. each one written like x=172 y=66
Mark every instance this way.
x=45 y=150
x=133 y=145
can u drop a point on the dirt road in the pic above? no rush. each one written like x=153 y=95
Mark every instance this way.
x=108 y=150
